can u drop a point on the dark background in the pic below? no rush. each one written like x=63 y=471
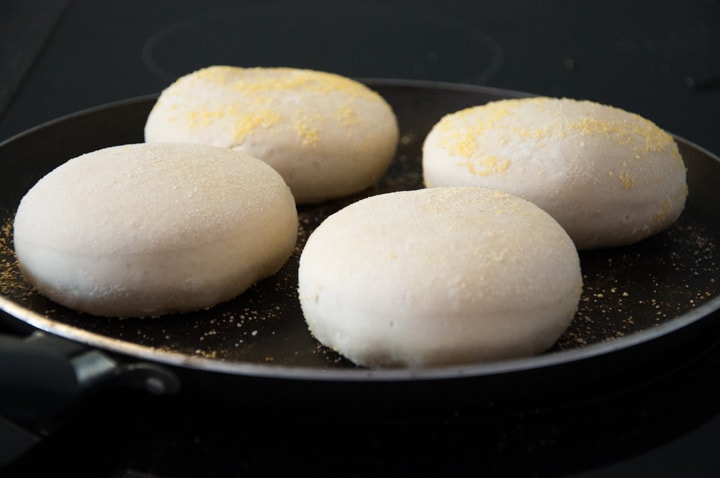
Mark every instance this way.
x=660 y=59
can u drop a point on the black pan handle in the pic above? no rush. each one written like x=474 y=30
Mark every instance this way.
x=42 y=376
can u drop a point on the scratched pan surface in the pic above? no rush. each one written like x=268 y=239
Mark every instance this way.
x=645 y=293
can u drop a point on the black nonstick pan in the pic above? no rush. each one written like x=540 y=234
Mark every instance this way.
x=640 y=303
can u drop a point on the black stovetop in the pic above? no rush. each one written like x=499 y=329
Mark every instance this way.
x=658 y=59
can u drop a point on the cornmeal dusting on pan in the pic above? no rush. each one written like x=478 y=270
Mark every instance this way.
x=12 y=282
x=633 y=289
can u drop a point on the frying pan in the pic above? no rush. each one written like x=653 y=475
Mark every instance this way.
x=640 y=305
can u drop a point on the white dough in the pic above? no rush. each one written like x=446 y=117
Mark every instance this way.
x=150 y=229
x=609 y=177
x=327 y=135
x=437 y=277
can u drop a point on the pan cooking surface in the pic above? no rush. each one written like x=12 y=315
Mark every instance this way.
x=631 y=294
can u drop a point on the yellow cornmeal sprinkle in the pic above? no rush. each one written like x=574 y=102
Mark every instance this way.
x=260 y=94
x=485 y=166
x=256 y=81
x=677 y=158
x=624 y=133
x=215 y=74
x=248 y=122
x=347 y=115
x=289 y=79
x=461 y=134
x=308 y=134
x=199 y=119
x=662 y=212
x=627 y=179
x=6 y=233
x=12 y=282
x=440 y=199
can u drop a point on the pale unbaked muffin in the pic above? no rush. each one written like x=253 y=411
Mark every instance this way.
x=327 y=135
x=149 y=229
x=437 y=277
x=609 y=177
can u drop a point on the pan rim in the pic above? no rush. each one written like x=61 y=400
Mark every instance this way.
x=546 y=360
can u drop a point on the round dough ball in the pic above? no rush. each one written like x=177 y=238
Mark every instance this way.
x=149 y=229
x=327 y=135
x=609 y=177
x=439 y=276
